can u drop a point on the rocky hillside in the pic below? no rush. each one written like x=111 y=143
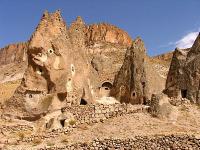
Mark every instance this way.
x=13 y=53
x=13 y=62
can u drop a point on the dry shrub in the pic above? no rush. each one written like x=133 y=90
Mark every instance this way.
x=21 y=135
x=65 y=141
x=37 y=141
x=72 y=122
x=49 y=143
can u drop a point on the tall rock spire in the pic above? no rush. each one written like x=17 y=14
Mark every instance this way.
x=77 y=32
x=50 y=27
x=130 y=85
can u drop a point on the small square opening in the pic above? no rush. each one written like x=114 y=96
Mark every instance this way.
x=184 y=93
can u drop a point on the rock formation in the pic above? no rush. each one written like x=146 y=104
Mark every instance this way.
x=130 y=84
x=107 y=46
x=184 y=74
x=160 y=107
x=81 y=64
x=175 y=80
x=58 y=71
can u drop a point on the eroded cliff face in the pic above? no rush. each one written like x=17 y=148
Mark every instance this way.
x=107 y=33
x=107 y=46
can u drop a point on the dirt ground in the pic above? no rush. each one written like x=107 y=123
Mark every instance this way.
x=127 y=126
x=140 y=124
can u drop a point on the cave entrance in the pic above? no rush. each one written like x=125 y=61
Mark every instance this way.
x=105 y=89
x=62 y=122
x=83 y=102
x=107 y=85
x=184 y=93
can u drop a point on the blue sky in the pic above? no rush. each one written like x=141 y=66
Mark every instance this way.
x=162 y=24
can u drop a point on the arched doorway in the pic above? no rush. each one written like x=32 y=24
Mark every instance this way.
x=107 y=85
x=105 y=89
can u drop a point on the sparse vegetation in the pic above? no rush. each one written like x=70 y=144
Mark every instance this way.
x=50 y=143
x=36 y=141
x=184 y=108
x=83 y=126
x=72 y=122
x=46 y=102
x=65 y=141
x=21 y=135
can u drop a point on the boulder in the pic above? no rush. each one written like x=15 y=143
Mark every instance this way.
x=160 y=107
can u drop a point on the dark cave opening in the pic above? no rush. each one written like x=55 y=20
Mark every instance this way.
x=184 y=93
x=107 y=85
x=62 y=122
x=83 y=102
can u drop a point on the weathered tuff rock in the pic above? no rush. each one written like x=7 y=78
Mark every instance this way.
x=184 y=74
x=58 y=70
x=107 y=33
x=107 y=46
x=106 y=52
x=157 y=68
x=175 y=77
x=130 y=85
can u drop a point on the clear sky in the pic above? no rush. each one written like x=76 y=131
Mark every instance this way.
x=162 y=24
